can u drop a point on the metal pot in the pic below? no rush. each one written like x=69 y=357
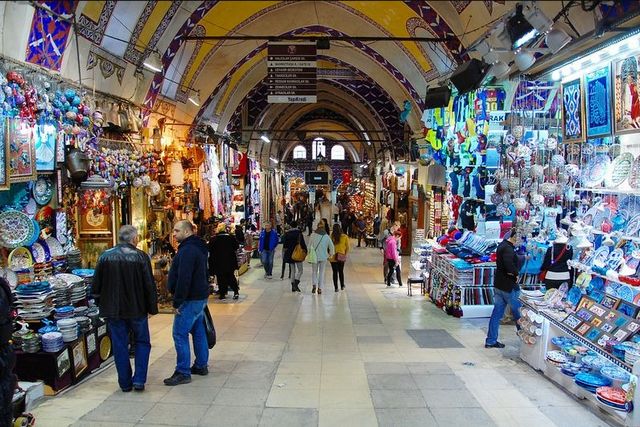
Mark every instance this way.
x=78 y=164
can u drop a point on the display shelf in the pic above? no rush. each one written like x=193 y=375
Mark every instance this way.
x=631 y=192
x=634 y=239
x=582 y=267
x=578 y=337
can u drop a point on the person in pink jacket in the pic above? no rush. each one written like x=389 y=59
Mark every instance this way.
x=392 y=257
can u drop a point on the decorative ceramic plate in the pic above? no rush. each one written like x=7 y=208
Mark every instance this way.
x=626 y=293
x=595 y=171
x=54 y=246
x=634 y=174
x=38 y=252
x=16 y=228
x=619 y=170
x=43 y=190
x=600 y=256
x=105 y=348
x=9 y=276
x=20 y=258
x=615 y=259
x=592 y=380
x=633 y=226
x=614 y=373
x=35 y=235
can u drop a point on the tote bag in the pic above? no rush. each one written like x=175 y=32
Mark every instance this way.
x=210 y=328
x=299 y=254
x=312 y=255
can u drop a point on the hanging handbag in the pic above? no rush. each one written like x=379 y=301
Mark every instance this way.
x=299 y=254
x=341 y=257
x=312 y=255
x=543 y=273
x=210 y=328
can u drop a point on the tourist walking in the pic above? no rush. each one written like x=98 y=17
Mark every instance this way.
x=267 y=246
x=323 y=246
x=309 y=217
x=392 y=256
x=361 y=227
x=341 y=244
x=126 y=291
x=290 y=240
x=190 y=290
x=8 y=381
x=223 y=261
x=505 y=288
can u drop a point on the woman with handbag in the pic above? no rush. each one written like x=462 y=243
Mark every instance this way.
x=341 y=245
x=320 y=249
x=555 y=270
x=294 y=253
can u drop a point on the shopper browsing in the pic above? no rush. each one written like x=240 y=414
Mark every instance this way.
x=267 y=246
x=341 y=245
x=290 y=241
x=190 y=290
x=224 y=261
x=124 y=286
x=392 y=256
x=361 y=227
x=505 y=288
x=555 y=267
x=323 y=247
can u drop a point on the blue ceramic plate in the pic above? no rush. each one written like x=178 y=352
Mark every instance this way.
x=593 y=380
x=83 y=272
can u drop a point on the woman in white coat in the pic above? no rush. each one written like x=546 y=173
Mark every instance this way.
x=321 y=242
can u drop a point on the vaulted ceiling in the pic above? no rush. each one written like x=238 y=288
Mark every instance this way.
x=366 y=83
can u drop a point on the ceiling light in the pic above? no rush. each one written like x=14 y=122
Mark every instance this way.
x=195 y=99
x=524 y=60
x=153 y=62
x=557 y=39
x=520 y=30
x=556 y=75
x=500 y=70
x=265 y=138
x=274 y=160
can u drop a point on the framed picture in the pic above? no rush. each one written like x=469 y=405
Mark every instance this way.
x=63 y=362
x=91 y=343
x=598 y=102
x=92 y=249
x=602 y=341
x=45 y=137
x=22 y=155
x=596 y=321
x=610 y=302
x=572 y=111
x=4 y=155
x=585 y=302
x=572 y=321
x=608 y=327
x=79 y=352
x=593 y=334
x=628 y=309
x=621 y=335
x=633 y=327
x=626 y=95
x=584 y=314
x=95 y=213
x=598 y=310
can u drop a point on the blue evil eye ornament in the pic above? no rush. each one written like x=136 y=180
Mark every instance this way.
x=400 y=170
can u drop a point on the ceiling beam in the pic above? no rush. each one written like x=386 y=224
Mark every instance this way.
x=316 y=38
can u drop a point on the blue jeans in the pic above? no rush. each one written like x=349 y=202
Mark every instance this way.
x=500 y=301
x=119 y=330
x=190 y=320
x=267 y=261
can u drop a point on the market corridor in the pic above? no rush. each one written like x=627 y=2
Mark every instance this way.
x=336 y=359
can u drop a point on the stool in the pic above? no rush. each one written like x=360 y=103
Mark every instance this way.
x=370 y=241
x=415 y=279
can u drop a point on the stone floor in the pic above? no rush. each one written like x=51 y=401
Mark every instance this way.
x=353 y=358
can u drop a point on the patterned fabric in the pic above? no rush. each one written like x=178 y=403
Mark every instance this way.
x=461 y=5
x=133 y=54
x=598 y=106
x=48 y=36
x=572 y=110
x=94 y=31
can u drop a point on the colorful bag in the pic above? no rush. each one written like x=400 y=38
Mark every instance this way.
x=312 y=255
x=299 y=254
x=341 y=257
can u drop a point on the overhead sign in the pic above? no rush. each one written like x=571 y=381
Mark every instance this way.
x=292 y=73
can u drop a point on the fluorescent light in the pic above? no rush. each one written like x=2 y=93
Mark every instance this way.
x=153 y=62
x=195 y=99
x=556 y=75
x=265 y=138
x=273 y=160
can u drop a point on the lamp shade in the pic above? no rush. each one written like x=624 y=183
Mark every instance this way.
x=557 y=39
x=524 y=60
x=499 y=70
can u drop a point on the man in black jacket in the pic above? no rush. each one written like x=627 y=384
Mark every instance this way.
x=505 y=287
x=7 y=358
x=124 y=285
x=190 y=288
x=223 y=261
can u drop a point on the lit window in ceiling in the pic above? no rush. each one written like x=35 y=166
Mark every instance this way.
x=299 y=152
x=337 y=152
x=318 y=148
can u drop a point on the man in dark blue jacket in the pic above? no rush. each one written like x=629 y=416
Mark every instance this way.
x=190 y=288
x=267 y=245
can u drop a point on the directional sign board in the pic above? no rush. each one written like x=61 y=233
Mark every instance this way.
x=292 y=73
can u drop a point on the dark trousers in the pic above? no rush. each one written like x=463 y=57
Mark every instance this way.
x=361 y=235
x=7 y=385
x=393 y=267
x=119 y=330
x=227 y=279
x=338 y=271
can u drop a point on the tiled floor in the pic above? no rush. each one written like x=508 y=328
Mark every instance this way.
x=336 y=359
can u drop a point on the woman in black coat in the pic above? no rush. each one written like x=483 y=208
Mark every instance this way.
x=223 y=261
x=555 y=263
x=289 y=242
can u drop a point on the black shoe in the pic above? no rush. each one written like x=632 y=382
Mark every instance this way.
x=400 y=285
x=497 y=344
x=236 y=296
x=126 y=390
x=200 y=371
x=342 y=287
x=336 y=289
x=222 y=296
x=177 y=378
x=138 y=387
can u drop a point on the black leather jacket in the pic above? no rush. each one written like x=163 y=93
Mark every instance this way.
x=124 y=283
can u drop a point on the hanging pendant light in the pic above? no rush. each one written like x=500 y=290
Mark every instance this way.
x=195 y=98
x=524 y=60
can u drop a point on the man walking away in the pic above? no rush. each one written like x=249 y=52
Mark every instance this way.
x=222 y=250
x=267 y=246
x=124 y=285
x=506 y=290
x=190 y=290
x=360 y=229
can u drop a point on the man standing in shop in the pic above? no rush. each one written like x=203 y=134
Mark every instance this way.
x=123 y=282
x=267 y=246
x=506 y=290
x=190 y=289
